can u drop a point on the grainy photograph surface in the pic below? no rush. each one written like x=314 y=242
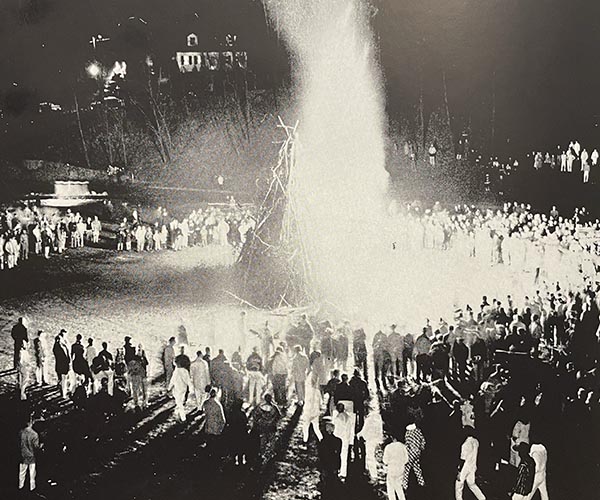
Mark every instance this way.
x=299 y=249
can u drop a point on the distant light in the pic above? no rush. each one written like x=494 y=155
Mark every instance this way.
x=94 y=70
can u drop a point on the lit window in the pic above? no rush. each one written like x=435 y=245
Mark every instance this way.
x=192 y=40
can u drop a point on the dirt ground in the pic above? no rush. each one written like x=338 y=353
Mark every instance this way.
x=149 y=455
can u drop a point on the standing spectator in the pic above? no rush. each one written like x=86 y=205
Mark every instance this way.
x=407 y=355
x=421 y=352
x=380 y=349
x=30 y=445
x=19 y=335
x=24 y=370
x=168 y=359
x=103 y=367
x=214 y=422
x=312 y=409
x=468 y=466
x=264 y=423
x=460 y=355
x=330 y=448
x=360 y=397
x=238 y=432
x=180 y=384
x=39 y=358
x=96 y=229
x=182 y=359
x=396 y=346
x=80 y=365
x=61 y=365
x=540 y=455
x=299 y=373
x=128 y=349
x=432 y=154
x=395 y=458
x=415 y=444
x=137 y=370
x=344 y=429
x=200 y=378
x=341 y=346
x=359 y=348
x=279 y=370
x=255 y=377
x=525 y=473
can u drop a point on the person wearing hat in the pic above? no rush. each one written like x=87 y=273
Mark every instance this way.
x=330 y=448
x=525 y=473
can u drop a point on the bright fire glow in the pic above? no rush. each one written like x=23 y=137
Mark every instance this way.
x=340 y=183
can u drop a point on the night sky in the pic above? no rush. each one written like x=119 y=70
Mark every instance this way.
x=539 y=56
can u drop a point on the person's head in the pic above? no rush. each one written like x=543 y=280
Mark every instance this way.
x=20 y=321
x=329 y=425
x=213 y=393
x=344 y=378
x=78 y=337
x=104 y=346
x=139 y=350
x=255 y=349
x=182 y=350
x=127 y=340
x=199 y=354
x=340 y=407
x=469 y=431
x=336 y=373
x=522 y=449
x=268 y=398
x=62 y=332
x=221 y=352
x=90 y=341
x=172 y=341
x=357 y=373
x=207 y=350
x=104 y=383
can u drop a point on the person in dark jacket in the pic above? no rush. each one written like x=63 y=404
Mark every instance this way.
x=19 y=335
x=525 y=472
x=460 y=354
x=62 y=364
x=360 y=397
x=80 y=365
x=330 y=448
x=129 y=350
x=264 y=424
x=237 y=431
x=359 y=348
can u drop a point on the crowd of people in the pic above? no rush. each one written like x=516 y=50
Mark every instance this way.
x=211 y=226
x=572 y=159
x=552 y=246
x=482 y=399
x=32 y=232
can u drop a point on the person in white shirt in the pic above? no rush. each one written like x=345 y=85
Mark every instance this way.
x=395 y=457
x=200 y=374
x=180 y=384
x=594 y=157
x=466 y=473
x=344 y=429
x=540 y=455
